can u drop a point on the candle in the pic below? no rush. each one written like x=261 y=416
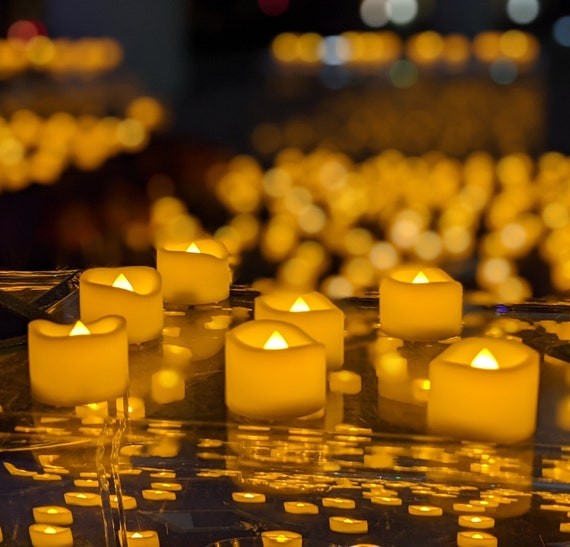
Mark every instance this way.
x=52 y=514
x=167 y=386
x=479 y=522
x=275 y=538
x=127 y=502
x=421 y=304
x=141 y=538
x=135 y=407
x=468 y=508
x=345 y=381
x=386 y=500
x=274 y=370
x=475 y=539
x=82 y=499
x=345 y=525
x=300 y=508
x=171 y=486
x=48 y=535
x=158 y=495
x=312 y=312
x=86 y=483
x=425 y=510
x=339 y=503
x=78 y=364
x=195 y=272
x=248 y=497
x=133 y=292
x=484 y=389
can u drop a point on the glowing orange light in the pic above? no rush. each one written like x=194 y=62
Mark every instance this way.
x=79 y=329
x=420 y=278
x=136 y=535
x=276 y=341
x=50 y=530
x=121 y=282
x=485 y=360
x=193 y=248
x=299 y=305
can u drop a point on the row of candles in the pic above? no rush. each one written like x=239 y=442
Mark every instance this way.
x=278 y=364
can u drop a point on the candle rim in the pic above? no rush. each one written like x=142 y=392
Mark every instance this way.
x=209 y=248
x=102 y=327
x=296 y=338
x=406 y=274
x=281 y=300
x=104 y=278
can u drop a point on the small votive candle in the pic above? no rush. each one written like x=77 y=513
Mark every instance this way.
x=248 y=497
x=78 y=364
x=171 y=486
x=52 y=514
x=195 y=272
x=275 y=538
x=478 y=522
x=313 y=313
x=128 y=502
x=133 y=292
x=50 y=535
x=484 y=389
x=274 y=370
x=167 y=386
x=339 y=503
x=300 y=508
x=386 y=500
x=420 y=304
x=142 y=538
x=468 y=508
x=425 y=510
x=346 y=525
x=475 y=539
x=82 y=499
x=86 y=483
x=158 y=495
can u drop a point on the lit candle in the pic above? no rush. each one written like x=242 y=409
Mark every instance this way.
x=167 y=386
x=345 y=381
x=274 y=370
x=135 y=407
x=424 y=304
x=479 y=522
x=158 y=495
x=128 y=502
x=48 y=535
x=86 y=483
x=52 y=514
x=78 y=364
x=386 y=500
x=82 y=499
x=275 y=538
x=425 y=510
x=172 y=486
x=248 y=497
x=312 y=312
x=134 y=292
x=300 y=508
x=194 y=273
x=484 y=389
x=142 y=538
x=475 y=539
x=468 y=508
x=339 y=503
x=345 y=525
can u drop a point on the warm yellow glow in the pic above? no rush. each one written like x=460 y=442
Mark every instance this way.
x=485 y=360
x=276 y=341
x=425 y=508
x=348 y=521
x=300 y=305
x=420 y=278
x=477 y=536
x=136 y=535
x=79 y=329
x=52 y=511
x=121 y=282
x=50 y=530
x=193 y=248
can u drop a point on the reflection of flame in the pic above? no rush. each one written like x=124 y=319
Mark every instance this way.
x=193 y=248
x=79 y=329
x=276 y=341
x=421 y=277
x=300 y=305
x=485 y=359
x=122 y=283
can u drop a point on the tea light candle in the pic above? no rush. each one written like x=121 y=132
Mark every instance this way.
x=484 y=389
x=158 y=495
x=386 y=500
x=142 y=538
x=425 y=510
x=86 y=483
x=313 y=313
x=424 y=304
x=48 y=535
x=468 y=508
x=133 y=292
x=194 y=273
x=82 y=499
x=248 y=497
x=128 y=502
x=479 y=522
x=275 y=538
x=171 y=486
x=345 y=525
x=78 y=364
x=274 y=370
x=339 y=503
x=52 y=514
x=476 y=539
x=300 y=508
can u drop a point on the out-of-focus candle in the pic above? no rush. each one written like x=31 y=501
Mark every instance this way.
x=425 y=510
x=339 y=503
x=194 y=273
x=50 y=535
x=82 y=499
x=135 y=407
x=52 y=514
x=312 y=312
x=166 y=386
x=484 y=389
x=86 y=483
x=171 y=486
x=248 y=497
x=142 y=538
x=346 y=525
x=274 y=370
x=276 y=538
x=468 y=508
x=78 y=364
x=128 y=502
x=420 y=304
x=478 y=522
x=158 y=495
x=475 y=539
x=134 y=292
x=300 y=508
x=386 y=500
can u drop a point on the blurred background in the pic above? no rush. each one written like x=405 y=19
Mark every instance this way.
x=323 y=141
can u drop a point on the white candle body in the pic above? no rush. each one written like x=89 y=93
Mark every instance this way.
x=192 y=278
x=324 y=322
x=496 y=405
x=74 y=370
x=51 y=514
x=142 y=307
x=421 y=311
x=48 y=535
x=274 y=384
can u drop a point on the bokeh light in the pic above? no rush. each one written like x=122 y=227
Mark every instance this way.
x=523 y=12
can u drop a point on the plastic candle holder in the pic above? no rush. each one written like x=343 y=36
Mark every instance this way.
x=475 y=539
x=345 y=525
x=50 y=535
x=78 y=364
x=134 y=292
x=477 y=522
x=274 y=370
x=484 y=389
x=52 y=514
x=142 y=538
x=195 y=272
x=312 y=312
x=277 y=538
x=421 y=304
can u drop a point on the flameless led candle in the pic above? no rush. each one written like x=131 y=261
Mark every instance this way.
x=158 y=495
x=128 y=502
x=275 y=538
x=386 y=500
x=82 y=499
x=48 y=535
x=312 y=312
x=134 y=292
x=52 y=514
x=142 y=538
x=339 y=503
x=248 y=497
x=194 y=273
x=274 y=370
x=478 y=522
x=300 y=508
x=484 y=389
x=78 y=364
x=475 y=539
x=425 y=510
x=420 y=304
x=345 y=525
